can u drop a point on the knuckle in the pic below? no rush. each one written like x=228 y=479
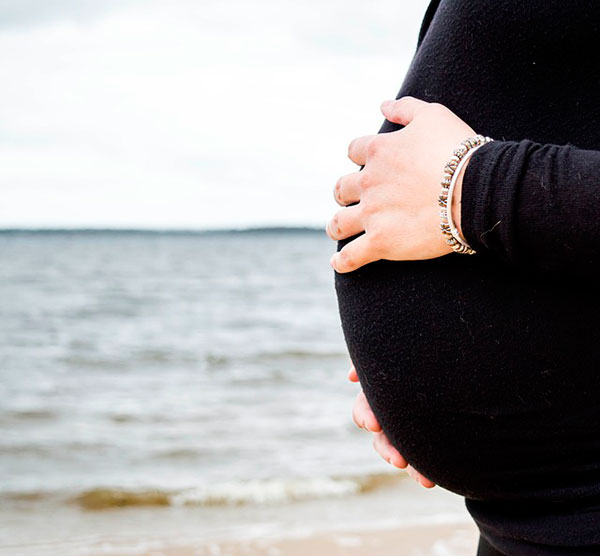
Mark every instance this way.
x=331 y=228
x=376 y=238
x=374 y=146
x=372 y=149
x=351 y=147
x=337 y=190
x=436 y=108
x=365 y=180
x=375 y=235
x=340 y=193
x=345 y=260
x=400 y=102
x=334 y=227
x=328 y=230
x=368 y=208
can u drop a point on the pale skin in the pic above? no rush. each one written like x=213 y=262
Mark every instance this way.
x=365 y=419
x=394 y=202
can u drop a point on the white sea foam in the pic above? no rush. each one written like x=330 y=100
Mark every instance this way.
x=268 y=491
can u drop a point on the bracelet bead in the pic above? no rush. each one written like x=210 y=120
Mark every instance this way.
x=451 y=171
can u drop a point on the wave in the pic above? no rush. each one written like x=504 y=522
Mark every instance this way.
x=298 y=354
x=132 y=360
x=278 y=491
x=30 y=414
x=105 y=498
x=232 y=493
x=218 y=360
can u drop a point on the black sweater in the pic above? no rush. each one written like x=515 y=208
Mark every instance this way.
x=484 y=370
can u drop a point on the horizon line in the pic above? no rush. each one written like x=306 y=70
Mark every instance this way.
x=157 y=230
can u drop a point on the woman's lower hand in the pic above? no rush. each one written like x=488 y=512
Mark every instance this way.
x=394 y=197
x=365 y=419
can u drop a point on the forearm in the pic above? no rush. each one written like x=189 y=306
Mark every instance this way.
x=533 y=205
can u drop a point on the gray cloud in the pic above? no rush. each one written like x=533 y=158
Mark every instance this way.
x=189 y=113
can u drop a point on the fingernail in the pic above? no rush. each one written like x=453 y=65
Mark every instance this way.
x=331 y=261
x=386 y=104
x=367 y=427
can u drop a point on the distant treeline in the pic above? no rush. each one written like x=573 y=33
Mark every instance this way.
x=132 y=231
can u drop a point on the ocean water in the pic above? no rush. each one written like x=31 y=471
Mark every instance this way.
x=200 y=373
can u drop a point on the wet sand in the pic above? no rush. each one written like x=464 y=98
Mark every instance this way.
x=437 y=540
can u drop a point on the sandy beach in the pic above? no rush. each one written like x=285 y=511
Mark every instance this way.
x=438 y=540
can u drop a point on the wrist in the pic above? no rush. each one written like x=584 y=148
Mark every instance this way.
x=456 y=200
x=449 y=199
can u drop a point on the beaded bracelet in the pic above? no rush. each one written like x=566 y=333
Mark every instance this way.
x=451 y=173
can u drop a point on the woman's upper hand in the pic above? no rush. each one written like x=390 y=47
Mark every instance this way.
x=365 y=419
x=395 y=197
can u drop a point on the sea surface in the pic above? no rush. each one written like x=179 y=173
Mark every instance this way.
x=201 y=375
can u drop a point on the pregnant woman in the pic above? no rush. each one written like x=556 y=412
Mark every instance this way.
x=479 y=356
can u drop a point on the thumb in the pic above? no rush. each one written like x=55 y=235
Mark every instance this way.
x=403 y=110
x=353 y=375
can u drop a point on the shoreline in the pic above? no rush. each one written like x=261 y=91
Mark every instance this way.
x=400 y=518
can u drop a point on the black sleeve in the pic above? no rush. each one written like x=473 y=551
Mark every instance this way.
x=534 y=206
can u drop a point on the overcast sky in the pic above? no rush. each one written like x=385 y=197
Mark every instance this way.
x=190 y=113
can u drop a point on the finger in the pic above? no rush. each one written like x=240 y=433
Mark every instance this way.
x=345 y=223
x=425 y=482
x=384 y=448
x=357 y=410
x=390 y=454
x=419 y=478
x=355 y=254
x=412 y=473
x=404 y=110
x=352 y=375
x=357 y=150
x=347 y=189
x=362 y=414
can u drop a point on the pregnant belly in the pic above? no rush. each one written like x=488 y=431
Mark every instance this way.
x=486 y=380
